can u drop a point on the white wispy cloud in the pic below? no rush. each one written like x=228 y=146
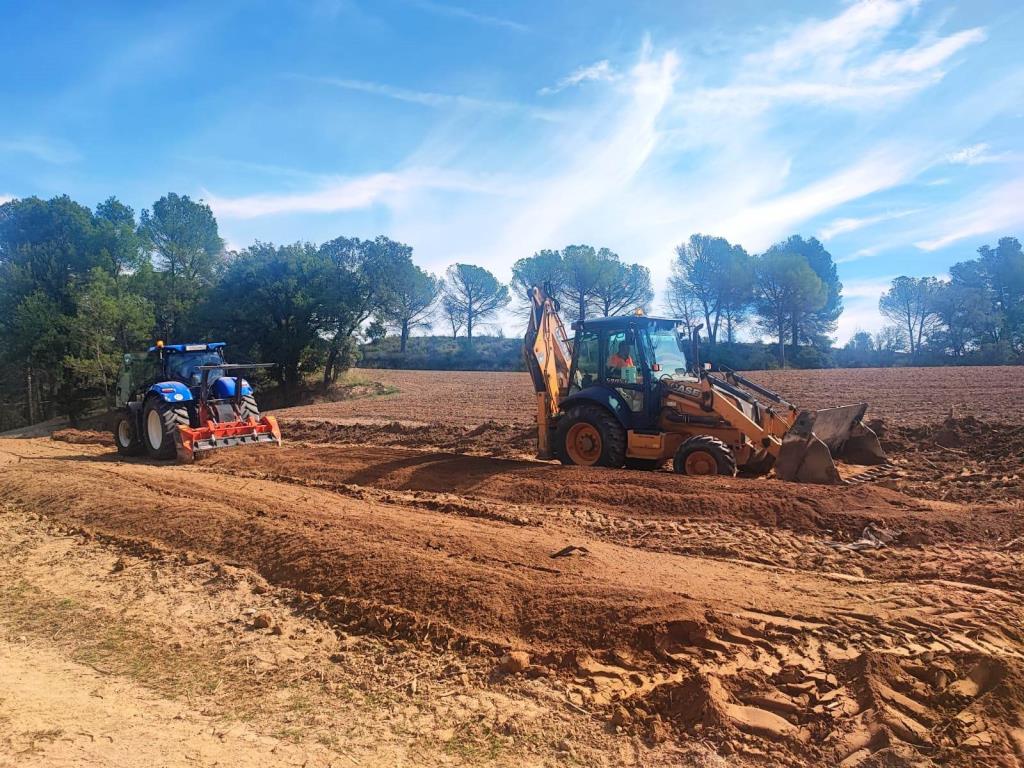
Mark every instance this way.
x=344 y=194
x=640 y=166
x=978 y=154
x=922 y=57
x=53 y=151
x=833 y=41
x=880 y=169
x=849 y=224
x=993 y=213
x=432 y=98
x=458 y=12
x=601 y=71
x=837 y=62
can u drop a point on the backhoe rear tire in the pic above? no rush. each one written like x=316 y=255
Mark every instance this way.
x=160 y=422
x=704 y=455
x=588 y=435
x=126 y=434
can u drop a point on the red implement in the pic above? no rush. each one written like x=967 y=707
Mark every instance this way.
x=226 y=434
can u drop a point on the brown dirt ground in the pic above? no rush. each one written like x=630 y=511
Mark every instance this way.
x=751 y=617
x=905 y=396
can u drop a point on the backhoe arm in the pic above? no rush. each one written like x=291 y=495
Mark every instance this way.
x=548 y=358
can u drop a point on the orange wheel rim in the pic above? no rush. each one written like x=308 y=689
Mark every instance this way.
x=701 y=463
x=583 y=444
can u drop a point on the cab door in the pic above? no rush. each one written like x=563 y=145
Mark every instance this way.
x=623 y=368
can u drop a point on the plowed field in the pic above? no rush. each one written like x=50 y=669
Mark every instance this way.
x=773 y=623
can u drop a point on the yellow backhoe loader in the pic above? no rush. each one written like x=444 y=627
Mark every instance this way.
x=622 y=392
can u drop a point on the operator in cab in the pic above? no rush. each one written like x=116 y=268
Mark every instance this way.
x=621 y=359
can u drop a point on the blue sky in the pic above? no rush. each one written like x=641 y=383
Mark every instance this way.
x=483 y=131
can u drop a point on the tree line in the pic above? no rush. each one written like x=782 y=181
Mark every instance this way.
x=976 y=315
x=79 y=287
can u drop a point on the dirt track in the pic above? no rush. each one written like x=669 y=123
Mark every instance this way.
x=747 y=615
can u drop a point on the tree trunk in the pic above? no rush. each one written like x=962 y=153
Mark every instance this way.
x=795 y=330
x=405 y=336
x=469 y=329
x=583 y=307
x=710 y=328
x=332 y=357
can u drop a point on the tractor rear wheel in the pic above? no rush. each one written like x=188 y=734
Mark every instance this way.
x=588 y=435
x=704 y=455
x=126 y=435
x=160 y=422
x=249 y=409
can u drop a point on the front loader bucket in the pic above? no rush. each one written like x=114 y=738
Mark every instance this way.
x=195 y=440
x=818 y=438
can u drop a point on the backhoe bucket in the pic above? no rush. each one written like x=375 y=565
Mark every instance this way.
x=818 y=438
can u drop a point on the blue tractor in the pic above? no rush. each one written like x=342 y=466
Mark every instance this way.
x=177 y=400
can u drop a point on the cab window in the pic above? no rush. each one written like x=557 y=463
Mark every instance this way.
x=621 y=357
x=587 y=362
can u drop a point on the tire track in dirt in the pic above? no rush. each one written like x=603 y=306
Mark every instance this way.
x=821 y=665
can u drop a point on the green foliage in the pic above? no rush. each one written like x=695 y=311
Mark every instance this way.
x=785 y=286
x=108 y=320
x=364 y=280
x=711 y=281
x=443 y=353
x=587 y=281
x=187 y=252
x=814 y=324
x=911 y=303
x=273 y=303
x=474 y=294
x=412 y=296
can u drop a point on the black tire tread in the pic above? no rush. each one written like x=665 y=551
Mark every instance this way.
x=135 y=447
x=722 y=453
x=248 y=408
x=611 y=432
x=172 y=416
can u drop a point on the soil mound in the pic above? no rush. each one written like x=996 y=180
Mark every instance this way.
x=490 y=438
x=960 y=460
x=83 y=437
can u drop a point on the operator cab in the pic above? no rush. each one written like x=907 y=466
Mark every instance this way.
x=182 y=361
x=631 y=354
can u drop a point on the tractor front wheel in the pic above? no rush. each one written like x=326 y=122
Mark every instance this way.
x=704 y=455
x=126 y=435
x=160 y=422
x=588 y=435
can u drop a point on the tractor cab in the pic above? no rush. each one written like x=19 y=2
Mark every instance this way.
x=629 y=357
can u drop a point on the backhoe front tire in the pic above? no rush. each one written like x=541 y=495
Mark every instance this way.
x=704 y=455
x=589 y=436
x=160 y=422
x=126 y=434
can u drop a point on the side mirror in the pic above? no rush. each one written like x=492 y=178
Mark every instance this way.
x=655 y=367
